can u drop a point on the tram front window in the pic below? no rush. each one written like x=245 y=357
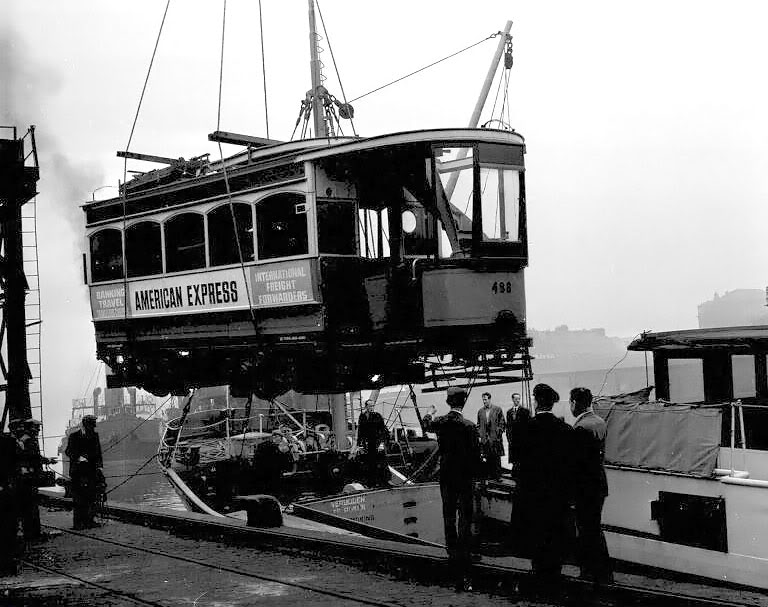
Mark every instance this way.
x=184 y=242
x=143 y=250
x=106 y=255
x=500 y=200
x=454 y=168
x=222 y=244
x=281 y=226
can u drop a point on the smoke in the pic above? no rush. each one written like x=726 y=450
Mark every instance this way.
x=29 y=89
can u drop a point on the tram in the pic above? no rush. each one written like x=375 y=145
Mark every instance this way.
x=323 y=265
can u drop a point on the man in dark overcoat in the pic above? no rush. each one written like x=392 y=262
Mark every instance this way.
x=459 y=449
x=590 y=488
x=517 y=419
x=371 y=433
x=85 y=463
x=541 y=515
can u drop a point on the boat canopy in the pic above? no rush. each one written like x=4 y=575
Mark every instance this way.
x=683 y=439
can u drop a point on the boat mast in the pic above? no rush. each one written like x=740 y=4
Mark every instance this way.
x=314 y=66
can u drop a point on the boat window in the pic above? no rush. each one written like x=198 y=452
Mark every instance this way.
x=743 y=370
x=184 y=242
x=336 y=227
x=106 y=255
x=281 y=224
x=374 y=233
x=222 y=244
x=143 y=249
x=686 y=380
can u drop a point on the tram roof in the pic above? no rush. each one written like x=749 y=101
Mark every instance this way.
x=718 y=338
x=464 y=135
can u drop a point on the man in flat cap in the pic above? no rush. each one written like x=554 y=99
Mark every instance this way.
x=29 y=465
x=459 y=446
x=85 y=463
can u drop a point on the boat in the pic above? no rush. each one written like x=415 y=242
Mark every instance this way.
x=212 y=458
x=127 y=430
x=687 y=468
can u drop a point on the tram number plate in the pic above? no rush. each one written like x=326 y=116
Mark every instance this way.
x=499 y=286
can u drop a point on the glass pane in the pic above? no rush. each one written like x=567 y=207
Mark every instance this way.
x=143 y=249
x=686 y=380
x=222 y=244
x=281 y=222
x=106 y=255
x=454 y=167
x=743 y=369
x=511 y=208
x=184 y=242
x=500 y=199
x=336 y=227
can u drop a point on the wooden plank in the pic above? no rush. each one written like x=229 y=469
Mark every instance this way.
x=239 y=139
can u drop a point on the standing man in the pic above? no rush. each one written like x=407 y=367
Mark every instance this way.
x=371 y=432
x=541 y=515
x=459 y=459
x=29 y=466
x=8 y=514
x=490 y=423
x=517 y=418
x=85 y=463
x=590 y=488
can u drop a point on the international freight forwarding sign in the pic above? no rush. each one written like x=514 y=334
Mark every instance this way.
x=275 y=284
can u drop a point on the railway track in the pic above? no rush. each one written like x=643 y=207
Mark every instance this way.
x=617 y=595
x=200 y=563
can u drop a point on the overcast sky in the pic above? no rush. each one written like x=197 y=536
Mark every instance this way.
x=646 y=127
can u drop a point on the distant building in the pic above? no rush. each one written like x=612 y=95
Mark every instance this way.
x=738 y=308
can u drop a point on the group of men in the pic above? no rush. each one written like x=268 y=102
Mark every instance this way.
x=559 y=475
x=20 y=467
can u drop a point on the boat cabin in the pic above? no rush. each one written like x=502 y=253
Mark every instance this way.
x=312 y=264
x=716 y=365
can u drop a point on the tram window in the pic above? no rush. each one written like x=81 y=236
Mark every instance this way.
x=500 y=201
x=743 y=370
x=106 y=255
x=184 y=242
x=222 y=244
x=336 y=227
x=455 y=168
x=374 y=233
x=143 y=249
x=281 y=225
x=686 y=380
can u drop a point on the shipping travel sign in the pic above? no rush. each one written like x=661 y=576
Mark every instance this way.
x=261 y=286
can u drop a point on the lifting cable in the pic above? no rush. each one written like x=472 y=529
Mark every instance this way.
x=424 y=68
x=336 y=68
x=125 y=158
x=226 y=175
x=263 y=69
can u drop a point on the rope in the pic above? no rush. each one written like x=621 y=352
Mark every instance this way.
x=144 y=465
x=621 y=360
x=335 y=67
x=226 y=175
x=263 y=69
x=423 y=68
x=144 y=421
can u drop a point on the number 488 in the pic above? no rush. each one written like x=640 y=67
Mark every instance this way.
x=501 y=287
